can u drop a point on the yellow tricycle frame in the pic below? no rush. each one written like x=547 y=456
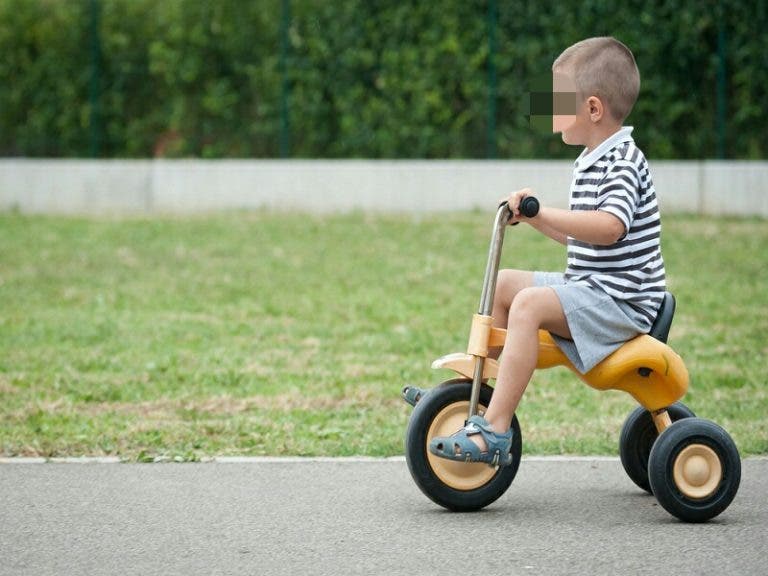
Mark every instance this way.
x=644 y=367
x=647 y=369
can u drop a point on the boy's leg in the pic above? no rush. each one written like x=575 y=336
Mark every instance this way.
x=532 y=309
x=508 y=285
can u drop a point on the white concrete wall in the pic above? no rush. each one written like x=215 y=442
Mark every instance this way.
x=186 y=186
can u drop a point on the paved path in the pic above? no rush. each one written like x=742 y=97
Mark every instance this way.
x=343 y=517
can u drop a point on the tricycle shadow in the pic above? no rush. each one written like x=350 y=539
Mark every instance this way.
x=606 y=509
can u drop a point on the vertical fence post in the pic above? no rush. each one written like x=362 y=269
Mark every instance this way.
x=94 y=84
x=285 y=91
x=490 y=151
x=721 y=81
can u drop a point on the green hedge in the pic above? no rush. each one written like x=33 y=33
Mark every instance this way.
x=360 y=78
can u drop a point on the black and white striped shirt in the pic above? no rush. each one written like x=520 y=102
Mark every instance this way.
x=614 y=178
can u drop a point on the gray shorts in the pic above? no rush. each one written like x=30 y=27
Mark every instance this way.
x=599 y=324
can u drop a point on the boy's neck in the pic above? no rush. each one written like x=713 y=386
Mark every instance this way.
x=600 y=134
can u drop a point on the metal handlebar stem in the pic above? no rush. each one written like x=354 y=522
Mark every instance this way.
x=489 y=290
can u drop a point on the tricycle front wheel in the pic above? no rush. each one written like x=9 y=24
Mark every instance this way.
x=458 y=486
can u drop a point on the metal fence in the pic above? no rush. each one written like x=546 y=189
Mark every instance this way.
x=307 y=78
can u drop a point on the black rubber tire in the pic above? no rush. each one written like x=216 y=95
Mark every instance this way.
x=417 y=442
x=661 y=465
x=637 y=438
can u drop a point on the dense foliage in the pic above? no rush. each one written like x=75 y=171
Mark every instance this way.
x=361 y=78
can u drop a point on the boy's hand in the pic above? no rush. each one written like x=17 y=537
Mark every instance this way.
x=513 y=201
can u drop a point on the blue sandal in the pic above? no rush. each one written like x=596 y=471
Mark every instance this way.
x=461 y=448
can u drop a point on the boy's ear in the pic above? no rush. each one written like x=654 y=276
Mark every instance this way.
x=596 y=108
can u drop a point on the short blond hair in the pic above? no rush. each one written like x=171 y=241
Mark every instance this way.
x=606 y=68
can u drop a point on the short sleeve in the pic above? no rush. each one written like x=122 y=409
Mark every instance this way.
x=618 y=193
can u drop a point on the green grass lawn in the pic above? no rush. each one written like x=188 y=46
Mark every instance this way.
x=261 y=333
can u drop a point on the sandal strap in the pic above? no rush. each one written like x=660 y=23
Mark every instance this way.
x=498 y=445
x=485 y=426
x=480 y=424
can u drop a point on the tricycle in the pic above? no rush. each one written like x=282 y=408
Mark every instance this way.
x=691 y=465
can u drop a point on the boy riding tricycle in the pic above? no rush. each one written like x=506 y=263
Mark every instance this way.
x=606 y=318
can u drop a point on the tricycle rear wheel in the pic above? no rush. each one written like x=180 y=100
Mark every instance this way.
x=695 y=470
x=638 y=435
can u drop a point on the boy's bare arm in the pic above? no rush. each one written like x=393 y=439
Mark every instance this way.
x=548 y=230
x=592 y=227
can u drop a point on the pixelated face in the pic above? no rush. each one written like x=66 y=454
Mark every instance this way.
x=553 y=103
x=565 y=102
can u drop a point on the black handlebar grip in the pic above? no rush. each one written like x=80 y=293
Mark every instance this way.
x=529 y=206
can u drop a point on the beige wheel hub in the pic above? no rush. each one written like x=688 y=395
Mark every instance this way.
x=697 y=471
x=457 y=475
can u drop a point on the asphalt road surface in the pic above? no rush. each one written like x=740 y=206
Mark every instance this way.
x=352 y=517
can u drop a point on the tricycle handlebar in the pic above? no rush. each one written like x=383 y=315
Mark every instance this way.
x=529 y=207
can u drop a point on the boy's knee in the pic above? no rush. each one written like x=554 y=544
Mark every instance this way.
x=533 y=305
x=509 y=283
x=524 y=305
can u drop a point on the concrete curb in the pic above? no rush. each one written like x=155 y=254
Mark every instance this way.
x=291 y=460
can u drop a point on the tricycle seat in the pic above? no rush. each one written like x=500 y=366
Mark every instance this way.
x=663 y=322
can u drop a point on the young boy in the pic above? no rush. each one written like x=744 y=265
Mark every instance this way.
x=614 y=280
